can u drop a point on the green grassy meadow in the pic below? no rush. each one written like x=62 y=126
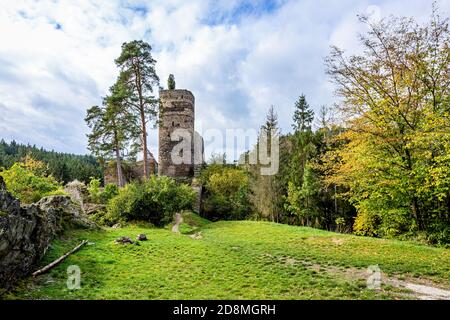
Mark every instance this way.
x=233 y=260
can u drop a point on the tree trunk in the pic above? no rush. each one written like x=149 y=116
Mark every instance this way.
x=448 y=206
x=142 y=114
x=120 y=181
x=414 y=201
x=144 y=143
x=416 y=212
x=59 y=260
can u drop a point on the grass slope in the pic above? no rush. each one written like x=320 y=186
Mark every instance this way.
x=233 y=260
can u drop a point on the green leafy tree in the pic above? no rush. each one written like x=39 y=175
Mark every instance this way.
x=227 y=192
x=303 y=201
x=28 y=181
x=138 y=77
x=101 y=195
x=395 y=152
x=94 y=190
x=109 y=191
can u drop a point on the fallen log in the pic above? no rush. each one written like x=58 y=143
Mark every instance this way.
x=59 y=260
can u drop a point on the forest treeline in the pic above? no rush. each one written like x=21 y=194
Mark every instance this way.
x=382 y=166
x=64 y=167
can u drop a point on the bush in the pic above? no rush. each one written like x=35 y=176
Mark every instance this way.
x=110 y=191
x=155 y=200
x=94 y=190
x=99 y=195
x=27 y=181
x=439 y=234
x=227 y=193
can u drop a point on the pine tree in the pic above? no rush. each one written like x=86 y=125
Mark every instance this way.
x=303 y=115
x=302 y=146
x=266 y=189
x=139 y=77
x=270 y=127
x=113 y=127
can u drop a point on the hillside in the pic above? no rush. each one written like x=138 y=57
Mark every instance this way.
x=65 y=167
x=239 y=260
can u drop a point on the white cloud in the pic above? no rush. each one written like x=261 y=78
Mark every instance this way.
x=57 y=57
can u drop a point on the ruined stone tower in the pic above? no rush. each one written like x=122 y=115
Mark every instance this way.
x=180 y=147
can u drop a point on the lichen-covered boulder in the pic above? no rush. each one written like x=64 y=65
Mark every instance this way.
x=94 y=208
x=68 y=212
x=26 y=231
x=78 y=192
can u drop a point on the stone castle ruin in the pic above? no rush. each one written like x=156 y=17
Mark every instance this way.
x=181 y=149
x=180 y=146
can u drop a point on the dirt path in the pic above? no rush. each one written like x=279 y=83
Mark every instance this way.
x=425 y=290
x=178 y=221
x=420 y=291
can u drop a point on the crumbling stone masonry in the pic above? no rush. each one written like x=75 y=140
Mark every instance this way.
x=180 y=147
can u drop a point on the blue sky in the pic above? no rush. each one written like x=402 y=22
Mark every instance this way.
x=237 y=57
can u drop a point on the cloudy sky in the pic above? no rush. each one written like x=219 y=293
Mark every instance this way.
x=237 y=57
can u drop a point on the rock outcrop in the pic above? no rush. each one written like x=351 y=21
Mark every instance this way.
x=26 y=231
x=78 y=192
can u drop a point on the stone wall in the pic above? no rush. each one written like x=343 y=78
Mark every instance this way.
x=177 y=112
x=26 y=231
x=132 y=171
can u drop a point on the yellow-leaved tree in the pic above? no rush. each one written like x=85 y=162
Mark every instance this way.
x=394 y=156
x=28 y=180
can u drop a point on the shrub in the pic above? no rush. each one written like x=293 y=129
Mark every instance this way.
x=94 y=190
x=110 y=191
x=99 y=195
x=27 y=181
x=227 y=193
x=439 y=234
x=155 y=200
x=102 y=218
